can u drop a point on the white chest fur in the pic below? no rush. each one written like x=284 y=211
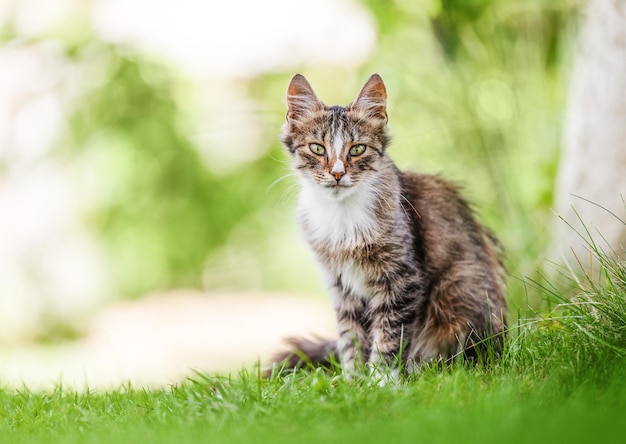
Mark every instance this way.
x=354 y=279
x=339 y=223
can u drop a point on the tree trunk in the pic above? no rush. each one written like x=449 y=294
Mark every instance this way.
x=593 y=164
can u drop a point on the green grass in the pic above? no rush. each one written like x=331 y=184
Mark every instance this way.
x=561 y=379
x=449 y=406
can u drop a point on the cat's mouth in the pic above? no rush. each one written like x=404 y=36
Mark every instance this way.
x=339 y=190
x=338 y=185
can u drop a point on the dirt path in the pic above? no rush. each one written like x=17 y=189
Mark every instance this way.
x=158 y=340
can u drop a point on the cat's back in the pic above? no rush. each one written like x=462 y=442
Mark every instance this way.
x=444 y=224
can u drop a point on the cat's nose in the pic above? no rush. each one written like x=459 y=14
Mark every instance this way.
x=338 y=170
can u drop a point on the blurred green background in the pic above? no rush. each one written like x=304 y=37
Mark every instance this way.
x=131 y=164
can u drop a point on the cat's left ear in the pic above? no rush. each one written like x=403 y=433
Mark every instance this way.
x=373 y=97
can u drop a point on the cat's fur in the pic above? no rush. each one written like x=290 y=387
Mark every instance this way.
x=412 y=274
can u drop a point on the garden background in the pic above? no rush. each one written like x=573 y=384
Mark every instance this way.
x=146 y=206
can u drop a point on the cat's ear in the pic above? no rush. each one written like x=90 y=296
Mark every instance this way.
x=301 y=100
x=373 y=97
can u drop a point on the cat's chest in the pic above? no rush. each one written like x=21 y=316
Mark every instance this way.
x=339 y=225
x=353 y=278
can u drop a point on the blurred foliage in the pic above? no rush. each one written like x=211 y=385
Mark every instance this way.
x=477 y=90
x=161 y=211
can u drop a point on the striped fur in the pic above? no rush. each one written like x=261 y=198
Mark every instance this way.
x=412 y=274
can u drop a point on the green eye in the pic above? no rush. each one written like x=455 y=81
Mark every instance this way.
x=318 y=149
x=357 y=150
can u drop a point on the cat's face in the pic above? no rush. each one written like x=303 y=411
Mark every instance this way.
x=336 y=149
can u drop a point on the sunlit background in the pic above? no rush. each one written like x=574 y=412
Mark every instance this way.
x=146 y=206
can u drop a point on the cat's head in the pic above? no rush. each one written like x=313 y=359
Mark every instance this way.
x=334 y=148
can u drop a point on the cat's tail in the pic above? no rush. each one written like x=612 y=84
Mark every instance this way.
x=303 y=352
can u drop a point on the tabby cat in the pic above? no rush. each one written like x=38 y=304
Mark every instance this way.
x=413 y=276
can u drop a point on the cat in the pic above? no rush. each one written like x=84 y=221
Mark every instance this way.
x=413 y=276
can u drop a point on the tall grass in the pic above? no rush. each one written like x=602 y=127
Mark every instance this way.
x=581 y=339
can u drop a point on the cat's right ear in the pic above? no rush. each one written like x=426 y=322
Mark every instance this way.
x=301 y=100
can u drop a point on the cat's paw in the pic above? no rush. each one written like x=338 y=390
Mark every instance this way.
x=351 y=370
x=383 y=375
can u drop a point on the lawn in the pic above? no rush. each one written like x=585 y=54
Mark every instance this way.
x=454 y=405
x=561 y=378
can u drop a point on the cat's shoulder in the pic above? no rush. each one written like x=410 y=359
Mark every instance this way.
x=425 y=186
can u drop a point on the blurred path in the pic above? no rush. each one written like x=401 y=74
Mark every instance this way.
x=160 y=339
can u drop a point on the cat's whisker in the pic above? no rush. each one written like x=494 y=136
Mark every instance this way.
x=402 y=196
x=288 y=192
x=277 y=181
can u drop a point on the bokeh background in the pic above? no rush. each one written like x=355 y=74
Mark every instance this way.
x=139 y=156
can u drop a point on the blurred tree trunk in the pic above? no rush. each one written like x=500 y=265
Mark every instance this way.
x=593 y=163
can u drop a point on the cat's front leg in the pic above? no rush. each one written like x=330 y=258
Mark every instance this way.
x=393 y=315
x=387 y=340
x=352 y=327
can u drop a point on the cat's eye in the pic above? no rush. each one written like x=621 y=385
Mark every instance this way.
x=318 y=149
x=357 y=150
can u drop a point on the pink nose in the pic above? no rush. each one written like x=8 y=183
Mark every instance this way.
x=338 y=170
